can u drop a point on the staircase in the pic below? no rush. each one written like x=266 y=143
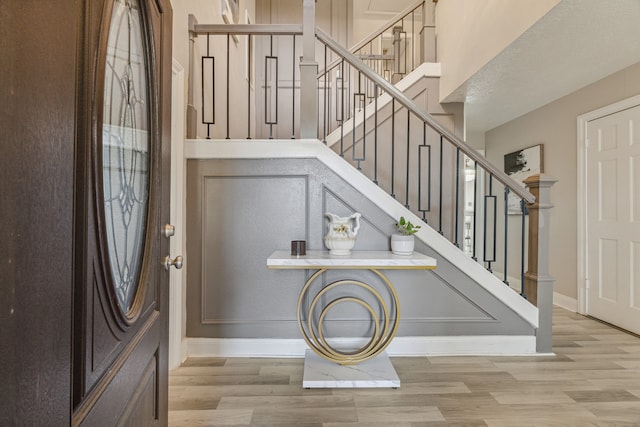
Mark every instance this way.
x=378 y=152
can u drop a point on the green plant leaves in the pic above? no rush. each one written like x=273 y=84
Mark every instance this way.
x=406 y=227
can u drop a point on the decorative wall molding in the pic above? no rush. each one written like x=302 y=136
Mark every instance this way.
x=256 y=149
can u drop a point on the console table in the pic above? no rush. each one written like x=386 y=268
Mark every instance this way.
x=325 y=366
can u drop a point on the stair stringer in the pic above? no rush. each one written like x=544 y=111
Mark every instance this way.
x=429 y=239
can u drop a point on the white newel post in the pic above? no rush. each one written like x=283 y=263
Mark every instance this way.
x=192 y=114
x=308 y=74
x=538 y=283
x=428 y=33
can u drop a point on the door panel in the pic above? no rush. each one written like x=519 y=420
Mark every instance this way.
x=635 y=188
x=608 y=266
x=120 y=312
x=635 y=275
x=613 y=225
x=37 y=152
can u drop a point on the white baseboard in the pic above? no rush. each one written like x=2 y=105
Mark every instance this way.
x=463 y=345
x=400 y=346
x=564 y=301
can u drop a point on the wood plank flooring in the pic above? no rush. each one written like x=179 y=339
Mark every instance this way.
x=592 y=380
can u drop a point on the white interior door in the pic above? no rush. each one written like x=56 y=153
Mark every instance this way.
x=613 y=218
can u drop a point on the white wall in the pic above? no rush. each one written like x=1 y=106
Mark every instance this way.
x=554 y=125
x=467 y=41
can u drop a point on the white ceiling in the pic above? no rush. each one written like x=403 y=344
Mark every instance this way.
x=577 y=43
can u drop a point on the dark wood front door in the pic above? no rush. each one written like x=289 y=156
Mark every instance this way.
x=120 y=306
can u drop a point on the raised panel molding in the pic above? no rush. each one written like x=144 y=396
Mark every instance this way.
x=243 y=217
x=104 y=340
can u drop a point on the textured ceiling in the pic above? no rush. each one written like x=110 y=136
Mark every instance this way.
x=577 y=43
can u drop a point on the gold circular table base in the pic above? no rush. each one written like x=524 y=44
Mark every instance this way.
x=380 y=339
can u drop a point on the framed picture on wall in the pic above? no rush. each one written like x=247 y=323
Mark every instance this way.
x=520 y=165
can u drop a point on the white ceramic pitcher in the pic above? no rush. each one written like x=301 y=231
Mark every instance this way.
x=341 y=236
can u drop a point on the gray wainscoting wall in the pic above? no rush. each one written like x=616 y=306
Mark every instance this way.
x=240 y=211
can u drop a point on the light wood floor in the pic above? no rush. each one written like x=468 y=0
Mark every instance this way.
x=593 y=380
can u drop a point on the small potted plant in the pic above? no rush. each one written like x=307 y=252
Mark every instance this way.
x=402 y=242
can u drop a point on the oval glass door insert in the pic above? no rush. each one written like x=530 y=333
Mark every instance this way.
x=125 y=149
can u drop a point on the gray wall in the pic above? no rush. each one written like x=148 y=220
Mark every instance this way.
x=239 y=211
x=555 y=126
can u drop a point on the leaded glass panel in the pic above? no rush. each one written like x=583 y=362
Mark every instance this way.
x=125 y=149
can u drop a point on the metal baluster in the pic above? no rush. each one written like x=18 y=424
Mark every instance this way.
x=267 y=115
x=364 y=129
x=495 y=220
x=457 y=210
x=213 y=88
x=274 y=93
x=228 y=85
x=342 y=108
x=348 y=98
x=375 y=135
x=506 y=233
x=523 y=208
x=293 y=90
x=359 y=98
x=475 y=208
x=393 y=145
x=372 y=64
x=486 y=199
x=250 y=75
x=324 y=107
x=428 y=149
x=440 y=195
x=406 y=197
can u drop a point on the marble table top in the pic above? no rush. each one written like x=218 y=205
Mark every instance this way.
x=383 y=260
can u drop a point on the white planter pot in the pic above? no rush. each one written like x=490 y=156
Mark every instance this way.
x=401 y=244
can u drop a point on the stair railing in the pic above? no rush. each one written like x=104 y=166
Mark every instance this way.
x=228 y=61
x=351 y=103
x=398 y=46
x=390 y=138
x=428 y=120
x=423 y=164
